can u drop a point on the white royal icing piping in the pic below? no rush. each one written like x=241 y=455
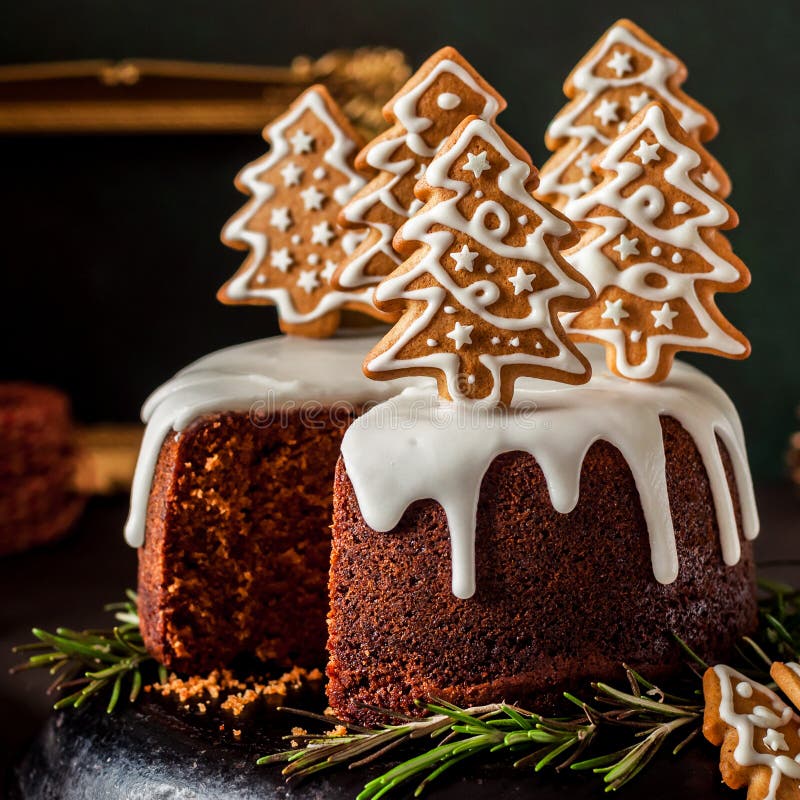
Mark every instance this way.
x=794 y=667
x=564 y=126
x=412 y=448
x=257 y=375
x=641 y=208
x=425 y=227
x=337 y=157
x=379 y=157
x=745 y=753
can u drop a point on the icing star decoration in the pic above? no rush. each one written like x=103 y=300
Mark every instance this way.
x=522 y=281
x=280 y=218
x=620 y=62
x=312 y=198
x=757 y=731
x=477 y=164
x=308 y=280
x=464 y=258
x=461 y=335
x=627 y=247
x=664 y=316
x=614 y=311
x=606 y=112
x=281 y=259
x=647 y=152
x=322 y=234
x=291 y=174
x=301 y=142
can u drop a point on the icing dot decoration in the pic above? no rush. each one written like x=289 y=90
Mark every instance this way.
x=687 y=317
x=624 y=71
x=412 y=140
x=448 y=101
x=514 y=299
x=312 y=139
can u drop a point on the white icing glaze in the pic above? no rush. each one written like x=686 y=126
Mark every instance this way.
x=238 y=229
x=744 y=689
x=448 y=101
x=429 y=227
x=258 y=376
x=642 y=207
x=404 y=108
x=411 y=448
x=794 y=667
x=745 y=725
x=565 y=126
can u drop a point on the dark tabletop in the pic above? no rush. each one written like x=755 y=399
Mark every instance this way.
x=68 y=583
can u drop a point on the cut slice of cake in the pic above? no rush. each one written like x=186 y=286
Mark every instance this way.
x=232 y=500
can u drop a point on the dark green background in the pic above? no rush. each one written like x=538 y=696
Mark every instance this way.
x=110 y=245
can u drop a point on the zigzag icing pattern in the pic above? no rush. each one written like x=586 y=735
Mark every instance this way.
x=641 y=272
x=575 y=141
x=409 y=125
x=244 y=287
x=439 y=228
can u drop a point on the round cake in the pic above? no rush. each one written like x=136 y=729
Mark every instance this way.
x=518 y=553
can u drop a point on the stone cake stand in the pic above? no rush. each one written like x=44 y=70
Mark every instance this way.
x=156 y=750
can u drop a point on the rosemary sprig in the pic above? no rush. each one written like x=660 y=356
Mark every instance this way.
x=647 y=716
x=500 y=730
x=92 y=662
x=779 y=620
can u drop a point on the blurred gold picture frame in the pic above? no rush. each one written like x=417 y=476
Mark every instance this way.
x=146 y=96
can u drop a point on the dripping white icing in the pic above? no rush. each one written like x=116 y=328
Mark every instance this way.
x=257 y=375
x=411 y=448
x=745 y=753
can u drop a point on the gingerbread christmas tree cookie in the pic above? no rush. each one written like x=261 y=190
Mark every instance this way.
x=759 y=734
x=442 y=92
x=624 y=71
x=483 y=281
x=289 y=225
x=654 y=253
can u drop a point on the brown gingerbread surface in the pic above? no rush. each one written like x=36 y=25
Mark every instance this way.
x=624 y=71
x=289 y=226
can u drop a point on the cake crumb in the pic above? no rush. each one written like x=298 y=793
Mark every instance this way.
x=236 y=694
x=339 y=730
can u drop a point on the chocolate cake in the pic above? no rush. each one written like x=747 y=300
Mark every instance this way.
x=232 y=498
x=38 y=458
x=580 y=564
x=237 y=547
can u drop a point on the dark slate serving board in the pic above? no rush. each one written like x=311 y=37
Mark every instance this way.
x=157 y=751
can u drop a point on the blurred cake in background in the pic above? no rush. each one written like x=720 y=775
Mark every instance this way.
x=38 y=457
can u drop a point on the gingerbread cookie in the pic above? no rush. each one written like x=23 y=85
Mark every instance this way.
x=624 y=71
x=443 y=91
x=290 y=226
x=787 y=676
x=759 y=735
x=483 y=281
x=652 y=250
